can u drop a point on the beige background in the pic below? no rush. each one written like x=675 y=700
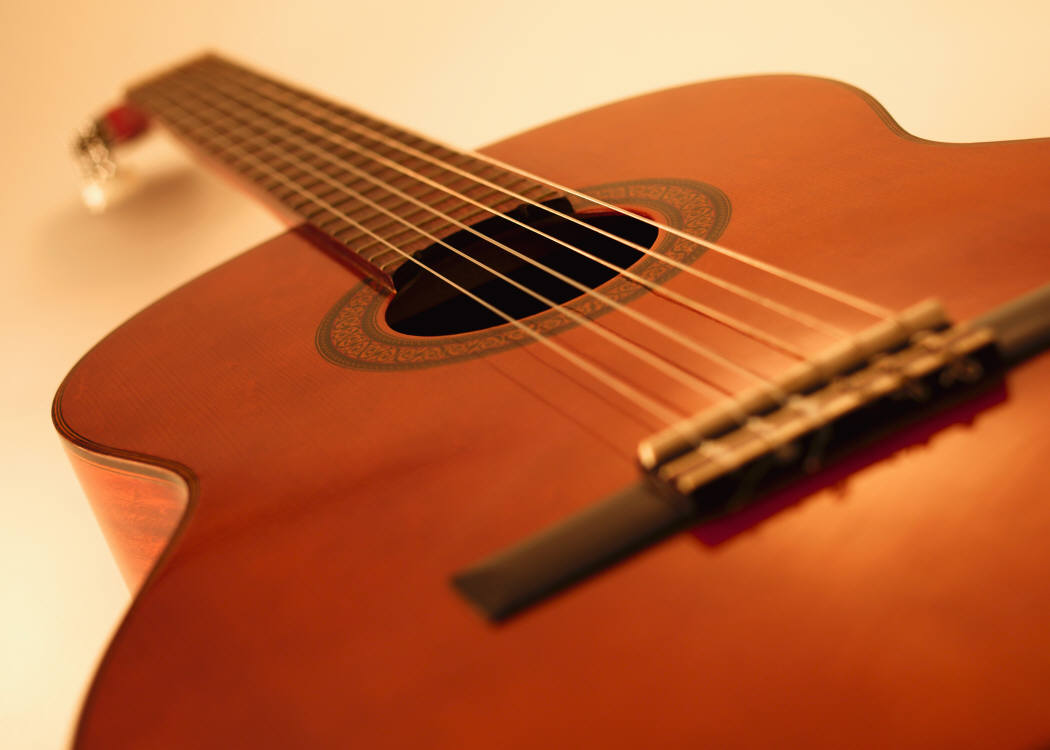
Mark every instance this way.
x=463 y=70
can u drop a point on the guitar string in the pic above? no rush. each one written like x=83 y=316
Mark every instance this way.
x=661 y=412
x=427 y=207
x=841 y=296
x=372 y=134
x=281 y=116
x=670 y=333
x=668 y=368
x=614 y=383
x=772 y=389
x=705 y=310
x=713 y=452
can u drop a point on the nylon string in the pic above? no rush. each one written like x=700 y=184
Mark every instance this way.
x=615 y=383
x=666 y=415
x=692 y=304
x=655 y=325
x=225 y=69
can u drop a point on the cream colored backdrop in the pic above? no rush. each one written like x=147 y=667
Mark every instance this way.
x=462 y=70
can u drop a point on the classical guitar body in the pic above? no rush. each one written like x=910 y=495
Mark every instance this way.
x=322 y=478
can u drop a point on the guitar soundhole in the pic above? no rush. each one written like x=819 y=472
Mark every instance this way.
x=426 y=305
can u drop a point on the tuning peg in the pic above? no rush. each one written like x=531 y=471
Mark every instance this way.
x=93 y=148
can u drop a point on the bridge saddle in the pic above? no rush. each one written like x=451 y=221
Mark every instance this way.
x=893 y=372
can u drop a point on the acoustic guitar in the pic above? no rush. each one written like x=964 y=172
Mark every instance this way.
x=712 y=418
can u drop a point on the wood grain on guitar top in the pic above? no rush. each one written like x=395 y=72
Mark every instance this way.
x=305 y=602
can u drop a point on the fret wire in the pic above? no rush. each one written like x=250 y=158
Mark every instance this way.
x=705 y=310
x=672 y=334
x=230 y=71
x=455 y=158
x=458 y=183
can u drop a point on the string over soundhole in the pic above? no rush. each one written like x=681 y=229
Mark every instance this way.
x=428 y=305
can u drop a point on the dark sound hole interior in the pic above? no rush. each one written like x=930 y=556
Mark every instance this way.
x=427 y=306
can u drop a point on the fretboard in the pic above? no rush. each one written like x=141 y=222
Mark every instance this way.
x=379 y=191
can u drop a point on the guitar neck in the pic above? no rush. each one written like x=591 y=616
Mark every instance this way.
x=380 y=192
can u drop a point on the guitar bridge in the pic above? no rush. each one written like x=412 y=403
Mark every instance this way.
x=721 y=468
x=720 y=460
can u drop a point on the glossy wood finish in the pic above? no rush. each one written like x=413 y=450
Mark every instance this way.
x=306 y=602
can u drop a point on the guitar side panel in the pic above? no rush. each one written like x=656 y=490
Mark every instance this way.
x=138 y=506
